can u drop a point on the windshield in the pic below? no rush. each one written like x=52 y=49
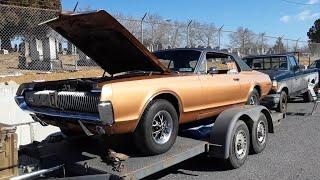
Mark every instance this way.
x=267 y=63
x=179 y=60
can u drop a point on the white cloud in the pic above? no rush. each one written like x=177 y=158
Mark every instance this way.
x=285 y=19
x=307 y=15
x=313 y=1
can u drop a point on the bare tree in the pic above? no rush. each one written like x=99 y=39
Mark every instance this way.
x=243 y=39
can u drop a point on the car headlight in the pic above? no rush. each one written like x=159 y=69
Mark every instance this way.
x=274 y=85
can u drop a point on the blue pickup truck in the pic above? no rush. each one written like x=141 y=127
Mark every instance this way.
x=289 y=79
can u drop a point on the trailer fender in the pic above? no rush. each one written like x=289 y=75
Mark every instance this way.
x=220 y=137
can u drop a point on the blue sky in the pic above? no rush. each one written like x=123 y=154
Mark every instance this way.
x=275 y=17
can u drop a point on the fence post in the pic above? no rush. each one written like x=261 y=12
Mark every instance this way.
x=219 y=38
x=262 y=39
x=188 y=27
x=141 y=26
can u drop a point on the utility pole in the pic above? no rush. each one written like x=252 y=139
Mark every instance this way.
x=188 y=28
x=219 y=38
x=297 y=44
x=141 y=26
x=262 y=41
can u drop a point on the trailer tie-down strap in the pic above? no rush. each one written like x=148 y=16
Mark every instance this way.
x=116 y=159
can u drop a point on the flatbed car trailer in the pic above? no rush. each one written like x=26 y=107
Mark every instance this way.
x=88 y=158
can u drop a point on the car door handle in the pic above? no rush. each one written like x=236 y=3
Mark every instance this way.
x=236 y=79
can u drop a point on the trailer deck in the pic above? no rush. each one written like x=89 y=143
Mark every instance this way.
x=87 y=157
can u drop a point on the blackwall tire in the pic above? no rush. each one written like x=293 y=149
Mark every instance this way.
x=259 y=134
x=157 y=129
x=240 y=145
x=254 y=98
x=283 y=103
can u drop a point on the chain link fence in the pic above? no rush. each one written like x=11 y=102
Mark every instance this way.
x=27 y=47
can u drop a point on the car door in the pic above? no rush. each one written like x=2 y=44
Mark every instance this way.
x=221 y=87
x=300 y=82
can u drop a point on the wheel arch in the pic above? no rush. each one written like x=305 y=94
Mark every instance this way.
x=285 y=89
x=258 y=88
x=221 y=135
x=170 y=96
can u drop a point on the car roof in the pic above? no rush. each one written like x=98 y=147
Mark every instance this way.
x=269 y=55
x=196 y=49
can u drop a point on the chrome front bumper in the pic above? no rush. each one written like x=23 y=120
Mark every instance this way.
x=105 y=116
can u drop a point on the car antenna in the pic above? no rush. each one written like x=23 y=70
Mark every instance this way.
x=75 y=7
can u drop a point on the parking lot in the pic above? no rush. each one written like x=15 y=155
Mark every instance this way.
x=292 y=153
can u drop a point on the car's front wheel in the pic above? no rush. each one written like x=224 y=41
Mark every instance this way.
x=157 y=129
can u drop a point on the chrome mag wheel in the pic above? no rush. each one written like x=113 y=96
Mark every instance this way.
x=162 y=126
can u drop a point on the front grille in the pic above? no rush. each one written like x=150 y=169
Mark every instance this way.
x=78 y=101
x=64 y=100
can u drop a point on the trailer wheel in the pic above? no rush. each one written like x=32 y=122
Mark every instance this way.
x=254 y=98
x=259 y=134
x=239 y=147
x=157 y=129
x=283 y=102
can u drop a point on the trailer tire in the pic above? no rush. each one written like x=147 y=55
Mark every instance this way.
x=283 y=103
x=157 y=129
x=239 y=147
x=259 y=134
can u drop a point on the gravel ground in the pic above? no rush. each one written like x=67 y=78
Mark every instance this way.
x=293 y=152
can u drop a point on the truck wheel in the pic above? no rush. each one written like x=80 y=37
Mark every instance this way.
x=157 y=129
x=259 y=135
x=283 y=103
x=239 y=147
x=254 y=98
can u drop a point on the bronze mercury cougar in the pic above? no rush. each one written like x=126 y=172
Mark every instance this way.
x=146 y=94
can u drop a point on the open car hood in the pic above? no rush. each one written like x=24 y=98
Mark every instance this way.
x=106 y=41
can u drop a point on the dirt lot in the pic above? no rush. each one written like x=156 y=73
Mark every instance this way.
x=28 y=77
x=9 y=66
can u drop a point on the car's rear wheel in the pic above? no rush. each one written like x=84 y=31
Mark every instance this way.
x=239 y=147
x=157 y=129
x=254 y=98
x=283 y=102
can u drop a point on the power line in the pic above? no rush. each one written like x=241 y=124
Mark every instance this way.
x=298 y=3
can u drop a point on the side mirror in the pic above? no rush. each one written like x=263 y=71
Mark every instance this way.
x=213 y=70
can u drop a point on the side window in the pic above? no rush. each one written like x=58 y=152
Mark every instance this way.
x=313 y=65
x=224 y=64
x=257 y=64
x=292 y=61
x=279 y=63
